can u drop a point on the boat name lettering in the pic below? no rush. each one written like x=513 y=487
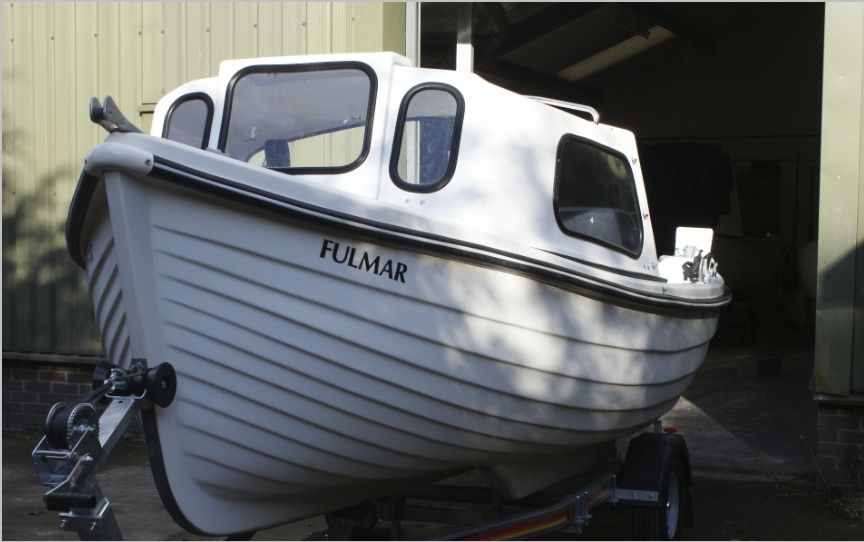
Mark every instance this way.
x=364 y=262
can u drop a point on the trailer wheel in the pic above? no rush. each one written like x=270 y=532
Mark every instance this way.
x=664 y=523
x=358 y=520
x=247 y=535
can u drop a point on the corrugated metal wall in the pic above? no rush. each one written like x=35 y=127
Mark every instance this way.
x=56 y=56
x=839 y=359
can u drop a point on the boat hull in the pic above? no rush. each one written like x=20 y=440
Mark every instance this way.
x=309 y=379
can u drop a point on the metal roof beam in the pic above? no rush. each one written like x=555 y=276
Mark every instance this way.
x=536 y=26
x=450 y=38
x=499 y=17
x=547 y=83
x=489 y=49
x=443 y=59
x=694 y=41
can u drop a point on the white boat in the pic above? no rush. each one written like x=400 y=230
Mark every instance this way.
x=411 y=286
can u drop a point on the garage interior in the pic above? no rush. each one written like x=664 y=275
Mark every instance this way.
x=744 y=77
x=742 y=82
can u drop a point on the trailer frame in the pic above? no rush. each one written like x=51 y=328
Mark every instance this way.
x=639 y=482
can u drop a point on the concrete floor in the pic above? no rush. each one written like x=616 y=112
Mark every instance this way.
x=748 y=439
x=763 y=427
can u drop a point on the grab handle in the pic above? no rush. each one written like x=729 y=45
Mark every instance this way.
x=568 y=105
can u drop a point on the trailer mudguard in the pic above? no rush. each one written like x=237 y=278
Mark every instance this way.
x=647 y=468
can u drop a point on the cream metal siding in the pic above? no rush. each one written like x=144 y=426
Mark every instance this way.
x=839 y=366
x=56 y=56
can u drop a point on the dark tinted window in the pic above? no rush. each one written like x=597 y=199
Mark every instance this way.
x=596 y=196
x=427 y=137
x=316 y=118
x=189 y=122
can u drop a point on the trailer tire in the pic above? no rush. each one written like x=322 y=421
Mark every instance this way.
x=246 y=535
x=360 y=519
x=664 y=523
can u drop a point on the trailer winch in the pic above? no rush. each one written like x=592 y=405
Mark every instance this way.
x=77 y=441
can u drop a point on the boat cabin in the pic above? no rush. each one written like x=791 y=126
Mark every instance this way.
x=431 y=142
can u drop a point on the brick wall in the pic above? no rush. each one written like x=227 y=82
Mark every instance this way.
x=840 y=451
x=31 y=388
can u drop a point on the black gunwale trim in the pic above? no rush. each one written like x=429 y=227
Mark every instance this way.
x=454 y=142
x=208 y=102
x=549 y=273
x=586 y=237
x=623 y=272
x=310 y=67
x=77 y=212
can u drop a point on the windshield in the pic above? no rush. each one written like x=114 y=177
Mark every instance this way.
x=315 y=118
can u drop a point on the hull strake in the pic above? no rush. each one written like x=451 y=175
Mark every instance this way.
x=103 y=283
x=326 y=377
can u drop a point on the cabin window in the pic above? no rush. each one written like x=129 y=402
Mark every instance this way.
x=595 y=196
x=426 y=141
x=314 y=118
x=188 y=120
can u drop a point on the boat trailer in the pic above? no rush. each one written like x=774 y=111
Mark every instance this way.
x=653 y=480
x=77 y=441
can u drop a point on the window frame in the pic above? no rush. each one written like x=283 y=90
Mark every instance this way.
x=454 y=143
x=584 y=236
x=208 y=126
x=308 y=67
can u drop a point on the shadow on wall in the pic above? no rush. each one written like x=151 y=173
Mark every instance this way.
x=46 y=308
x=840 y=298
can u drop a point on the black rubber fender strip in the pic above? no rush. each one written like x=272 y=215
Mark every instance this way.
x=484 y=256
x=77 y=211
x=284 y=204
x=428 y=243
x=160 y=477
